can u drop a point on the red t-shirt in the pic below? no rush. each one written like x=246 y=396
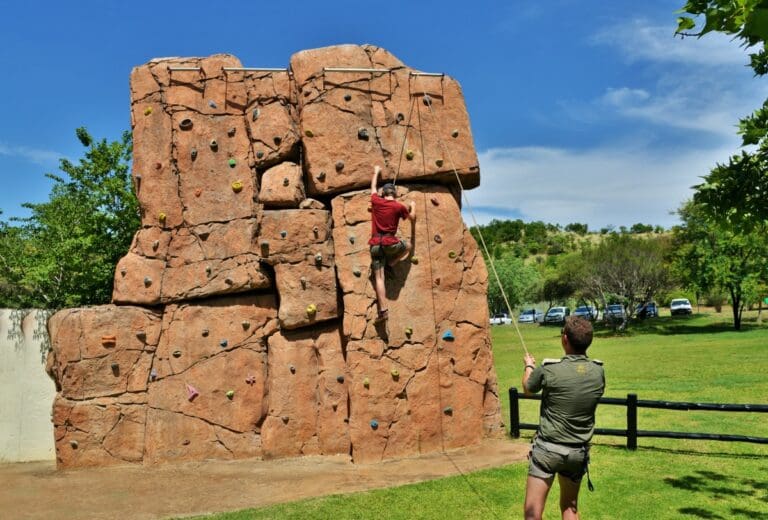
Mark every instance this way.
x=385 y=216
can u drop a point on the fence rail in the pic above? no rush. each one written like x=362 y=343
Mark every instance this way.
x=633 y=403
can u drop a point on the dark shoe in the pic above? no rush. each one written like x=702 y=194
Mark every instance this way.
x=383 y=316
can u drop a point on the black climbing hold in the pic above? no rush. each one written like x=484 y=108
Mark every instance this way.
x=186 y=442
x=285 y=419
x=277 y=140
x=283 y=234
x=318 y=258
x=347 y=97
x=115 y=367
x=439 y=163
x=448 y=410
x=356 y=272
x=203 y=235
x=185 y=124
x=339 y=165
x=177 y=353
x=228 y=281
x=212 y=103
x=141 y=335
x=214 y=145
x=231 y=132
x=246 y=324
x=264 y=248
x=303 y=281
x=400 y=117
x=74 y=444
x=438 y=239
x=286 y=181
x=193 y=154
x=351 y=240
x=427 y=100
x=147 y=281
x=155 y=245
x=223 y=343
x=123 y=271
x=321 y=176
x=208 y=270
x=455 y=133
x=152 y=374
x=205 y=333
x=362 y=133
x=292 y=369
x=340 y=379
x=259 y=154
x=255 y=114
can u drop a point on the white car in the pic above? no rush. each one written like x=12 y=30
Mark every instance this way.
x=680 y=306
x=530 y=316
x=501 y=319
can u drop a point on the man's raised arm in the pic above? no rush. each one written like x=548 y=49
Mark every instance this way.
x=375 y=178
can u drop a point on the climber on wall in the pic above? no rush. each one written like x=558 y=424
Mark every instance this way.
x=386 y=247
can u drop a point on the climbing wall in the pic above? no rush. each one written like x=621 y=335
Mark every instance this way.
x=242 y=322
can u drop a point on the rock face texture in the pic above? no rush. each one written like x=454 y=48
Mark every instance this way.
x=243 y=315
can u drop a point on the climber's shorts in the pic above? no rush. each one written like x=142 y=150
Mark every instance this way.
x=548 y=458
x=381 y=255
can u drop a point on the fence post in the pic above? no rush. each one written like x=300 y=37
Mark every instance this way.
x=514 y=414
x=632 y=422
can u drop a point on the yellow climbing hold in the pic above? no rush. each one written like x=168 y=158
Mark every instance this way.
x=395 y=372
x=147 y=111
x=311 y=309
x=237 y=186
x=408 y=331
x=161 y=217
x=451 y=254
x=366 y=382
x=409 y=155
x=230 y=394
x=309 y=133
x=414 y=260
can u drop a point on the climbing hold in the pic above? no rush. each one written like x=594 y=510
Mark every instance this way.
x=303 y=281
x=147 y=111
x=311 y=309
x=438 y=239
x=147 y=281
x=366 y=382
x=415 y=260
x=408 y=331
x=250 y=379
x=427 y=100
x=206 y=332
x=316 y=231
x=177 y=353
x=214 y=145
x=228 y=281
x=451 y=254
x=232 y=162
x=374 y=424
x=334 y=406
x=340 y=378
x=321 y=176
x=434 y=201
x=347 y=97
x=223 y=343
x=123 y=271
x=158 y=166
x=277 y=140
x=208 y=270
x=285 y=419
x=362 y=133
x=283 y=234
x=339 y=166
x=448 y=410
x=318 y=258
x=152 y=374
x=141 y=335
x=198 y=192
x=286 y=181
x=74 y=444
x=455 y=133
x=237 y=186
x=230 y=394
x=255 y=114
x=185 y=124
x=356 y=271
x=192 y=393
x=437 y=281
x=400 y=117
x=109 y=341
x=395 y=373
x=292 y=369
x=352 y=240
x=439 y=162
x=185 y=442
x=193 y=154
x=309 y=133
x=245 y=324
x=155 y=245
x=138 y=178
x=409 y=155
x=161 y=217
x=448 y=335
x=264 y=245
x=259 y=154
x=231 y=132
x=212 y=103
x=115 y=367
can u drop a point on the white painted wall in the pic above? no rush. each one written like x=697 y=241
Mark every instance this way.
x=26 y=395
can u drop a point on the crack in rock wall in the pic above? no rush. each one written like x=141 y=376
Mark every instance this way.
x=242 y=322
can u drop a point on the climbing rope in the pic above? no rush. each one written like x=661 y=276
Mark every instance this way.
x=405 y=140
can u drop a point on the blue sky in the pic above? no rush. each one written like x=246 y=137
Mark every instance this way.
x=582 y=111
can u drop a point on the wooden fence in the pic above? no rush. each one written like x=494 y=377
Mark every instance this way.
x=633 y=403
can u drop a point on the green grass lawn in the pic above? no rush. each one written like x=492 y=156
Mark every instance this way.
x=682 y=359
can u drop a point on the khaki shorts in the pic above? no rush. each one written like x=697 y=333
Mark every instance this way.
x=548 y=458
x=380 y=255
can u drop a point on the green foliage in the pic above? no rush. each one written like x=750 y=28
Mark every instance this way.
x=521 y=283
x=578 y=228
x=711 y=257
x=64 y=254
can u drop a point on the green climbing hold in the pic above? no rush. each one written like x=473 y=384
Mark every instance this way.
x=395 y=373
x=309 y=133
x=451 y=254
x=366 y=382
x=409 y=155
x=232 y=162
x=230 y=394
x=147 y=111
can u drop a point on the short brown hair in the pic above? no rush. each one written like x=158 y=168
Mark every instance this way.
x=579 y=333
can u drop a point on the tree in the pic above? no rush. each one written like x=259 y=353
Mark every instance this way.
x=577 y=227
x=521 y=283
x=630 y=268
x=710 y=256
x=65 y=253
x=737 y=193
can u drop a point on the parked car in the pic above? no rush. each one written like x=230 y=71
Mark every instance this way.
x=556 y=315
x=530 y=316
x=647 y=310
x=680 y=306
x=614 y=312
x=587 y=312
x=501 y=319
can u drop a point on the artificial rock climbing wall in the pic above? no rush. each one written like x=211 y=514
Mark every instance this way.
x=242 y=322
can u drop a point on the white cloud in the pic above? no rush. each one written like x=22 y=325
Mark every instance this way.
x=605 y=185
x=34 y=155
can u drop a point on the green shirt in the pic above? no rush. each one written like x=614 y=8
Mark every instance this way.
x=571 y=388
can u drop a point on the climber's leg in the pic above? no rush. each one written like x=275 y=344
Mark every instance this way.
x=397 y=253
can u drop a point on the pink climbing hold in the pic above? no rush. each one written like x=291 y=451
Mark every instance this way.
x=192 y=393
x=250 y=380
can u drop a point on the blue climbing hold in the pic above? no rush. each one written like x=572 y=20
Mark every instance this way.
x=212 y=103
x=374 y=424
x=448 y=335
x=223 y=343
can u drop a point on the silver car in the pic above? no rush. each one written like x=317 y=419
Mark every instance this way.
x=530 y=316
x=556 y=315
